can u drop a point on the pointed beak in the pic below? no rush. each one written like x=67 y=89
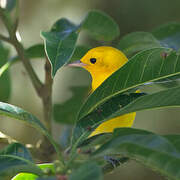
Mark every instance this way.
x=77 y=64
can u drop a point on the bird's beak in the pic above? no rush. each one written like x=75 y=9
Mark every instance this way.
x=77 y=64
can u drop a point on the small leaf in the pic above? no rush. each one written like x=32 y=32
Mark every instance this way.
x=147 y=66
x=5 y=81
x=15 y=159
x=168 y=35
x=100 y=26
x=35 y=51
x=137 y=41
x=60 y=43
x=47 y=167
x=87 y=171
x=152 y=150
x=22 y=115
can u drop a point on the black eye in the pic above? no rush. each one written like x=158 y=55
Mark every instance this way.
x=93 y=60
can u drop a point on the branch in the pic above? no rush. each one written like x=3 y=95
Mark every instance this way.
x=4 y=38
x=20 y=50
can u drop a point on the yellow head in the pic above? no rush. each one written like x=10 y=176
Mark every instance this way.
x=101 y=62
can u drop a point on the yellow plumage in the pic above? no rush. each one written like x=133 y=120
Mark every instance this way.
x=101 y=62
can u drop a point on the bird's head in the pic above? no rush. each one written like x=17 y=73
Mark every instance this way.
x=101 y=62
x=103 y=58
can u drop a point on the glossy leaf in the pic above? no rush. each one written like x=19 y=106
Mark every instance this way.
x=100 y=26
x=137 y=41
x=88 y=171
x=5 y=81
x=60 y=43
x=168 y=35
x=46 y=168
x=152 y=150
x=86 y=125
x=15 y=159
x=147 y=66
x=124 y=104
x=24 y=116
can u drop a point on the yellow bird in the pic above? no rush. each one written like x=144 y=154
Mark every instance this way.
x=101 y=62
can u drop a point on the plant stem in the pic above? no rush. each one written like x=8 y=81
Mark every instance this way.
x=44 y=90
x=47 y=97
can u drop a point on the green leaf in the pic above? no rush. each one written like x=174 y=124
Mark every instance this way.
x=87 y=171
x=137 y=41
x=15 y=159
x=79 y=52
x=124 y=104
x=5 y=81
x=100 y=26
x=24 y=116
x=60 y=43
x=35 y=51
x=109 y=109
x=147 y=66
x=175 y=140
x=168 y=35
x=66 y=112
x=152 y=150
x=46 y=168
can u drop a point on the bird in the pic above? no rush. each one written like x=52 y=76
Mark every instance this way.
x=101 y=62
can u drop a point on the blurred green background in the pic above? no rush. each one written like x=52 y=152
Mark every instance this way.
x=131 y=15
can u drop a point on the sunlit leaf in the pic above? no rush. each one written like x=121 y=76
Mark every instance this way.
x=47 y=167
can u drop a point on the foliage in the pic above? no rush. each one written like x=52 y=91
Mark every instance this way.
x=153 y=58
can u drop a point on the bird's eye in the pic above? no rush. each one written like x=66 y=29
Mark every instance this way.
x=93 y=60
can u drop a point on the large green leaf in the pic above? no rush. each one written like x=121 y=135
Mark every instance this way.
x=104 y=112
x=137 y=41
x=47 y=168
x=168 y=35
x=147 y=148
x=87 y=171
x=175 y=140
x=100 y=26
x=123 y=104
x=15 y=159
x=147 y=66
x=60 y=43
x=5 y=81
x=26 y=117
